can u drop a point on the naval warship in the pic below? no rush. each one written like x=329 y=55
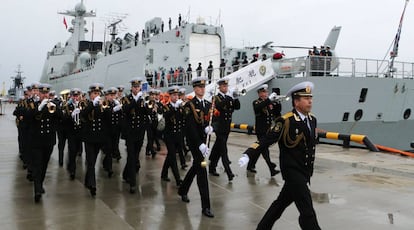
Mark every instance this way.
x=16 y=91
x=352 y=95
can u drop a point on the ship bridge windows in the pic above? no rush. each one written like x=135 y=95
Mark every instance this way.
x=363 y=95
x=407 y=114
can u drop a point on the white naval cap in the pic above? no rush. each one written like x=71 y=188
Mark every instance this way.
x=262 y=88
x=301 y=89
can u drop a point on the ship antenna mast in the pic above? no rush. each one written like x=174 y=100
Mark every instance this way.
x=394 y=52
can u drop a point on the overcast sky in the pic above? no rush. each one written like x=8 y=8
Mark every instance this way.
x=30 y=28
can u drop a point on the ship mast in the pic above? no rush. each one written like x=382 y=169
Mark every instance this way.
x=78 y=30
x=394 y=52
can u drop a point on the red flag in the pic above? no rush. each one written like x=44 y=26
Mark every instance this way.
x=64 y=22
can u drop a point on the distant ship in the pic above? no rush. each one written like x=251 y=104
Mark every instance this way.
x=16 y=91
x=352 y=95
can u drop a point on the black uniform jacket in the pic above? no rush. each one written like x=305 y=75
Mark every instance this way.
x=265 y=111
x=173 y=119
x=296 y=145
x=43 y=124
x=135 y=115
x=96 y=123
x=225 y=106
x=196 y=119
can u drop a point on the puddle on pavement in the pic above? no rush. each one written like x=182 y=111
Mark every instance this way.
x=323 y=198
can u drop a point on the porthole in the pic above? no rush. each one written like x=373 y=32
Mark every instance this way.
x=358 y=115
x=407 y=114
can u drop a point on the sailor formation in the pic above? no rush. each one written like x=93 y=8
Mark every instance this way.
x=96 y=120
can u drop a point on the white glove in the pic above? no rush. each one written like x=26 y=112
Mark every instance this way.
x=273 y=96
x=204 y=150
x=96 y=100
x=209 y=130
x=179 y=101
x=117 y=108
x=117 y=102
x=176 y=104
x=231 y=94
x=42 y=104
x=243 y=160
x=75 y=112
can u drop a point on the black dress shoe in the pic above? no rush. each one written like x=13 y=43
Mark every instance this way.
x=213 y=172
x=231 y=176
x=207 y=212
x=272 y=165
x=61 y=164
x=29 y=177
x=132 y=189
x=274 y=172
x=72 y=176
x=24 y=166
x=185 y=199
x=37 y=197
x=110 y=173
x=42 y=190
x=165 y=179
x=184 y=166
x=179 y=183
x=252 y=170
x=92 y=190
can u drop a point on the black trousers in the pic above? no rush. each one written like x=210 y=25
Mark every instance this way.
x=114 y=148
x=202 y=182
x=40 y=160
x=74 y=144
x=173 y=142
x=133 y=145
x=299 y=193
x=220 y=150
x=92 y=151
x=62 y=137
x=26 y=149
x=151 y=130
x=266 y=157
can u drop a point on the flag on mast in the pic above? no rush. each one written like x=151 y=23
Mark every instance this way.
x=64 y=23
x=394 y=52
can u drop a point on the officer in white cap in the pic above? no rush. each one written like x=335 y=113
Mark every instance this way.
x=96 y=132
x=226 y=102
x=265 y=110
x=296 y=134
x=134 y=120
x=45 y=115
x=196 y=118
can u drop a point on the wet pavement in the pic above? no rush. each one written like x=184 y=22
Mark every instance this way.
x=351 y=189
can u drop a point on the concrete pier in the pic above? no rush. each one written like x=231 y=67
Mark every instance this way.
x=351 y=189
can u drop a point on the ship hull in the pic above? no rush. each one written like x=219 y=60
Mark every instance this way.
x=385 y=111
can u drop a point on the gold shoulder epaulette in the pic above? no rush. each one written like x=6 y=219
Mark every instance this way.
x=287 y=115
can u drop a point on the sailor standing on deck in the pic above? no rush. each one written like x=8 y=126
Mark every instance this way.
x=296 y=133
x=196 y=116
x=135 y=122
x=225 y=104
x=96 y=132
x=44 y=116
x=266 y=110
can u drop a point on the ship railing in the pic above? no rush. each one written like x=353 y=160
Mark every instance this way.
x=182 y=77
x=342 y=67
